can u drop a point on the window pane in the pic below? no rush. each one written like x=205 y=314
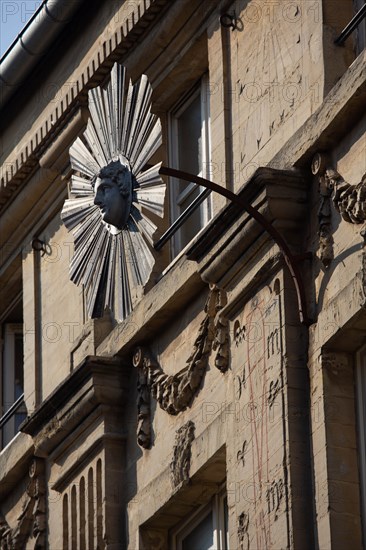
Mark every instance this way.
x=18 y=366
x=189 y=139
x=202 y=536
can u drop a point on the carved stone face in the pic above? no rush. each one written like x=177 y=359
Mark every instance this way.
x=113 y=193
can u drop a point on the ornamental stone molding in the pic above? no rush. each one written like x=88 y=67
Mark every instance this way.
x=30 y=530
x=181 y=462
x=349 y=200
x=174 y=393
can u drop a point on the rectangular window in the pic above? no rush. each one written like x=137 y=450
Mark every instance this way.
x=190 y=152
x=207 y=529
x=12 y=381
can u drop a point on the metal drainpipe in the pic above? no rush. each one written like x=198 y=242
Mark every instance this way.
x=34 y=40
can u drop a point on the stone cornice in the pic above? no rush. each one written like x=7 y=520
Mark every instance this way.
x=280 y=196
x=97 y=381
x=125 y=36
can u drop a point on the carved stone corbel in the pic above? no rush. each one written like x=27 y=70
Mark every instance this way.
x=174 y=393
x=32 y=519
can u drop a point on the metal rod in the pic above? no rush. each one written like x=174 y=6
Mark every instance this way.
x=13 y=409
x=181 y=219
x=290 y=260
x=355 y=21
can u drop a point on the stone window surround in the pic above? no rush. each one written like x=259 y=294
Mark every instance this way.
x=216 y=507
x=204 y=484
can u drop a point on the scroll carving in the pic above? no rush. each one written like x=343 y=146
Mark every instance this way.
x=174 y=393
x=181 y=462
x=32 y=520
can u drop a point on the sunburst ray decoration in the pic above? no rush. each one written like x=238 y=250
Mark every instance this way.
x=112 y=195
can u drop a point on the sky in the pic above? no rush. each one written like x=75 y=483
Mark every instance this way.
x=14 y=16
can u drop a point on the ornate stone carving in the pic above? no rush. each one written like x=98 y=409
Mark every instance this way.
x=113 y=193
x=349 y=200
x=111 y=196
x=143 y=399
x=174 y=393
x=221 y=343
x=32 y=520
x=326 y=252
x=181 y=462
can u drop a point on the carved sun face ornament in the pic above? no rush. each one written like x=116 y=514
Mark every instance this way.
x=111 y=196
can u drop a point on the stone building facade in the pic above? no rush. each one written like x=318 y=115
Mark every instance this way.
x=227 y=409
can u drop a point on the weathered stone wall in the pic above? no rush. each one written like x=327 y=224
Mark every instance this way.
x=54 y=313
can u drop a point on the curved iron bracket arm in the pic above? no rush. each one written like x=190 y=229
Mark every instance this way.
x=290 y=259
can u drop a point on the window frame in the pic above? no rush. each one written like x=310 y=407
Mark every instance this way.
x=178 y=197
x=360 y=382
x=7 y=381
x=220 y=530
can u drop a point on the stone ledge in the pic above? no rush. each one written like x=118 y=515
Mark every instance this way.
x=96 y=381
x=14 y=462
